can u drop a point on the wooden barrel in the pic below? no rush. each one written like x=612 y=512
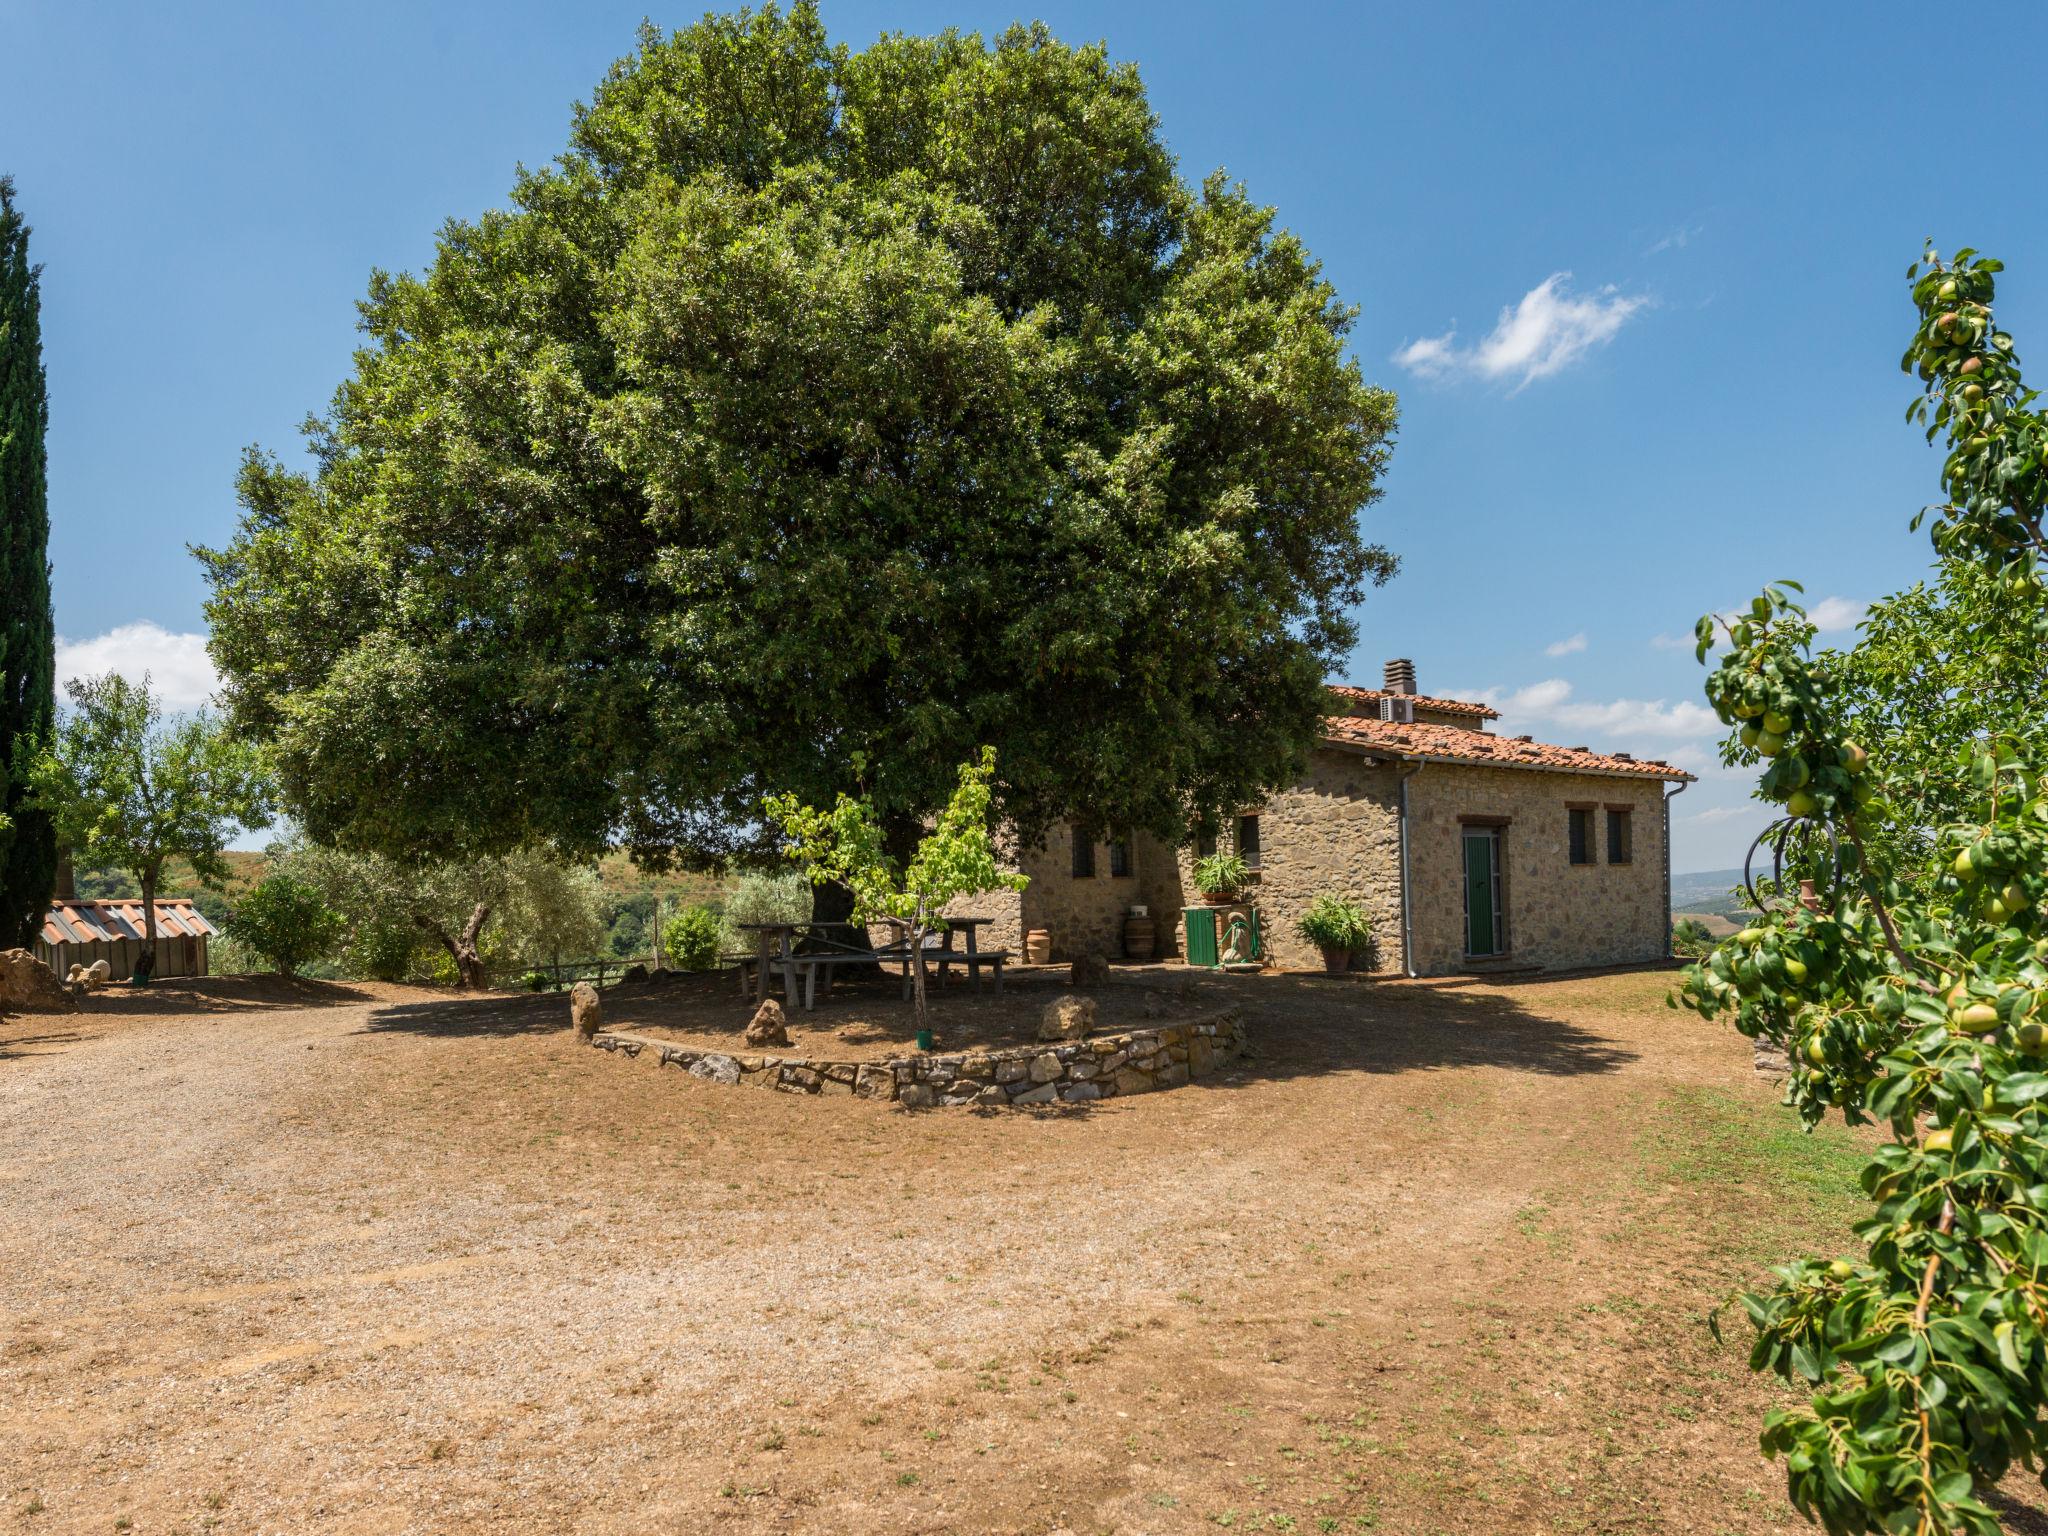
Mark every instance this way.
x=1139 y=934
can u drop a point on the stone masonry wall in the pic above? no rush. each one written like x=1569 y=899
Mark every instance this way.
x=1558 y=914
x=1337 y=829
x=1068 y=1072
x=1085 y=915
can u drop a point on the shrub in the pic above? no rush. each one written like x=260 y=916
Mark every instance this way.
x=782 y=898
x=1332 y=922
x=285 y=922
x=387 y=948
x=1222 y=873
x=694 y=938
x=1691 y=937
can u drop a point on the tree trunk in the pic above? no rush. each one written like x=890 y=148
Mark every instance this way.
x=832 y=924
x=147 y=964
x=469 y=964
x=462 y=947
x=921 y=1012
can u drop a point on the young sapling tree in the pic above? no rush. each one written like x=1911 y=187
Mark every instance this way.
x=956 y=858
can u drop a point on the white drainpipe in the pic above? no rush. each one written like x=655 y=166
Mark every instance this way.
x=1668 y=955
x=1407 y=915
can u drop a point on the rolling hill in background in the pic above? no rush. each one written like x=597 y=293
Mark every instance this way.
x=1706 y=891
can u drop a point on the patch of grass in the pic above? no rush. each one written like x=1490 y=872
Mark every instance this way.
x=1770 y=1173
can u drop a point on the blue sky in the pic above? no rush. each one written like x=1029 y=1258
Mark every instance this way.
x=1635 y=270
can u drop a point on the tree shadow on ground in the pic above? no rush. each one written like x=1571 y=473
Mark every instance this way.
x=186 y=995
x=16 y=1047
x=491 y=1013
x=714 y=1003
x=1300 y=1026
x=2017 y=1517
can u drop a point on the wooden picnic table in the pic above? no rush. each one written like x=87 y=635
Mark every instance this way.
x=774 y=948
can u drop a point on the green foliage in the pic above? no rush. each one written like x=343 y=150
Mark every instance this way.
x=1221 y=874
x=783 y=898
x=817 y=405
x=1690 y=937
x=694 y=939
x=28 y=638
x=121 y=787
x=956 y=858
x=1333 y=922
x=462 y=919
x=285 y=922
x=1913 y=990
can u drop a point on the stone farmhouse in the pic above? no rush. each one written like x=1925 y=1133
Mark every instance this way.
x=1472 y=852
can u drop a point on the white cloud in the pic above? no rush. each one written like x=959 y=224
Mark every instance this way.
x=1570 y=646
x=179 y=670
x=1678 y=239
x=1725 y=813
x=1551 y=703
x=1432 y=356
x=1832 y=613
x=1546 y=331
x=1673 y=642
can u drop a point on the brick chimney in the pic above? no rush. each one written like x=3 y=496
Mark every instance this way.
x=1399 y=676
x=67 y=884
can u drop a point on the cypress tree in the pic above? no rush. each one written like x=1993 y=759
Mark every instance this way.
x=28 y=637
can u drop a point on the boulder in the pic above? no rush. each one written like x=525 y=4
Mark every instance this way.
x=98 y=974
x=585 y=1011
x=31 y=986
x=1089 y=971
x=768 y=1026
x=1067 y=1017
x=633 y=973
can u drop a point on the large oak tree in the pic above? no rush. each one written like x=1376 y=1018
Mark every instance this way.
x=818 y=417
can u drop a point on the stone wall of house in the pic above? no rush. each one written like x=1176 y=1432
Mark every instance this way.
x=1337 y=829
x=1070 y=1072
x=1558 y=914
x=1085 y=915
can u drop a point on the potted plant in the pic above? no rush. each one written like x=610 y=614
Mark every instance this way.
x=1220 y=877
x=1338 y=927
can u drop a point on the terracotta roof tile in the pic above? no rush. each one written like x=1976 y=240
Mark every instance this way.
x=1455 y=744
x=1373 y=696
x=88 y=922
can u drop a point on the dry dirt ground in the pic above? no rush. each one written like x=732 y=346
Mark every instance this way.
x=306 y=1258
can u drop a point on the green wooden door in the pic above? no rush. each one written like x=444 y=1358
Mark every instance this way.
x=1482 y=904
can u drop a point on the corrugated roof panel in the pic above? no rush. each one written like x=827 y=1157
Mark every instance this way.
x=105 y=922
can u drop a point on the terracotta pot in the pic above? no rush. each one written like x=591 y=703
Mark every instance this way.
x=1219 y=898
x=1336 y=961
x=1037 y=947
x=1138 y=938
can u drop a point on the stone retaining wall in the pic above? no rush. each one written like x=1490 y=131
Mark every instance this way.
x=1064 y=1072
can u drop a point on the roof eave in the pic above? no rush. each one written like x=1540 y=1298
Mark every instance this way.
x=1670 y=776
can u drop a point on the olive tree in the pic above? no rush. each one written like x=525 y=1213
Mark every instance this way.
x=482 y=914
x=1912 y=987
x=817 y=405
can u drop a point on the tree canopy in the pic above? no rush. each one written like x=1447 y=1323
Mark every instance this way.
x=816 y=405
x=124 y=788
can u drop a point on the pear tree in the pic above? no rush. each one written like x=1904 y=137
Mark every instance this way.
x=1910 y=987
